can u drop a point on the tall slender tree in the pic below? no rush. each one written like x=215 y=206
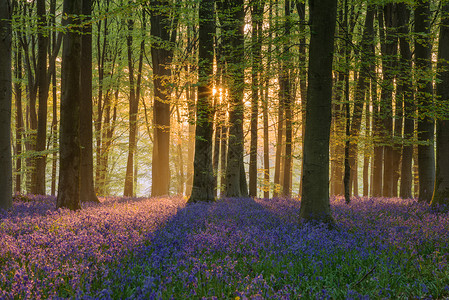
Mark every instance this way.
x=441 y=191
x=315 y=204
x=163 y=32
x=256 y=47
x=133 y=109
x=407 y=95
x=5 y=103
x=38 y=179
x=19 y=120
x=203 y=188
x=235 y=179
x=69 y=143
x=423 y=63
x=87 y=190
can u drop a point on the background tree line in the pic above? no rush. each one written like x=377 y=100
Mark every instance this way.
x=214 y=95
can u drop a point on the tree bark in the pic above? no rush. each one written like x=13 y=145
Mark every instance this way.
x=54 y=122
x=38 y=177
x=423 y=63
x=441 y=191
x=235 y=181
x=87 y=190
x=133 y=109
x=164 y=33
x=19 y=121
x=69 y=143
x=315 y=204
x=256 y=47
x=288 y=97
x=5 y=104
x=407 y=95
x=203 y=178
x=389 y=52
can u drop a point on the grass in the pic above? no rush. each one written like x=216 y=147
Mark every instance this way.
x=232 y=249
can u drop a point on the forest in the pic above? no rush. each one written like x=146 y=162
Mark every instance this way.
x=224 y=149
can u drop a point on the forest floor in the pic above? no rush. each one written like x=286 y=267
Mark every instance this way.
x=159 y=248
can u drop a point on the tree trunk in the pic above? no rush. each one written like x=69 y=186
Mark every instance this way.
x=278 y=158
x=377 y=164
x=87 y=191
x=5 y=104
x=287 y=94
x=256 y=47
x=203 y=178
x=301 y=8
x=19 y=121
x=360 y=94
x=38 y=186
x=315 y=204
x=161 y=58
x=441 y=192
x=190 y=95
x=235 y=182
x=423 y=63
x=389 y=52
x=69 y=144
x=54 y=122
x=407 y=100
x=133 y=109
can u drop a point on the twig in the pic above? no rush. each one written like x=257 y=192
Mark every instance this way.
x=364 y=276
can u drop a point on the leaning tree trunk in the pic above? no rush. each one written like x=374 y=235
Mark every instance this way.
x=315 y=204
x=87 y=191
x=5 y=104
x=203 y=175
x=441 y=192
x=423 y=63
x=69 y=144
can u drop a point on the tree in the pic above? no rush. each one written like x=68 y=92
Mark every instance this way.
x=441 y=191
x=203 y=188
x=406 y=93
x=163 y=32
x=256 y=48
x=87 y=191
x=389 y=51
x=38 y=177
x=5 y=103
x=315 y=180
x=19 y=120
x=234 y=26
x=133 y=109
x=423 y=63
x=69 y=143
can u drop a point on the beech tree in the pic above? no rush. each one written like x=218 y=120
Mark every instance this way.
x=5 y=103
x=233 y=19
x=315 y=180
x=163 y=32
x=38 y=180
x=87 y=191
x=423 y=52
x=441 y=190
x=203 y=188
x=69 y=140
